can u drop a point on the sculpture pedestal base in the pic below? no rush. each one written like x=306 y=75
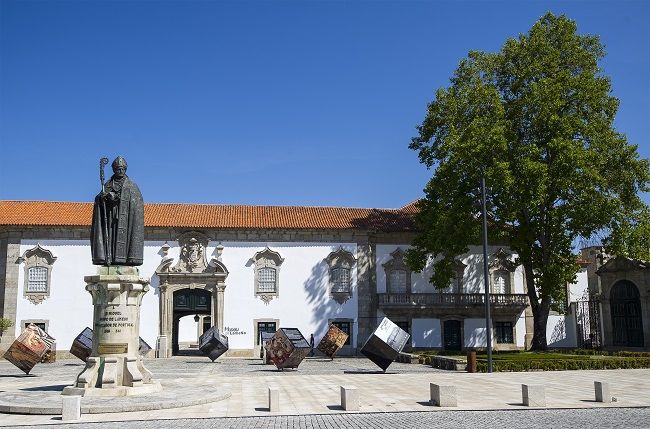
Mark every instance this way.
x=115 y=367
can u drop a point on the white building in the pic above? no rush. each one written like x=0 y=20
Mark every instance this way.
x=248 y=269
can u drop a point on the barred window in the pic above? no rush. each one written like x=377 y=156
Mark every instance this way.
x=37 y=279
x=504 y=332
x=340 y=280
x=397 y=281
x=266 y=280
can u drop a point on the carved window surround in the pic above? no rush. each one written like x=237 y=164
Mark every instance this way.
x=37 y=259
x=267 y=266
x=394 y=269
x=502 y=269
x=456 y=282
x=340 y=264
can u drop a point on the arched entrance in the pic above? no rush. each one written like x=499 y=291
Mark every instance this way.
x=189 y=302
x=625 y=307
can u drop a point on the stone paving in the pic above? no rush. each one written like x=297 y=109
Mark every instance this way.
x=313 y=389
x=603 y=418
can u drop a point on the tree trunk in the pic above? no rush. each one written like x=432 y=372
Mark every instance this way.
x=540 y=310
x=540 y=317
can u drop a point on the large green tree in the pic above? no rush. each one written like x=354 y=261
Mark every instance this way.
x=536 y=118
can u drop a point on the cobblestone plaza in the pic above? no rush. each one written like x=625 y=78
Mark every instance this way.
x=309 y=396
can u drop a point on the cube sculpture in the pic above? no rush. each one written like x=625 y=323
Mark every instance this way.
x=333 y=341
x=29 y=348
x=287 y=348
x=213 y=343
x=266 y=337
x=82 y=346
x=50 y=354
x=385 y=344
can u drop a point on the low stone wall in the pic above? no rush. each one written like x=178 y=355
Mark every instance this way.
x=448 y=363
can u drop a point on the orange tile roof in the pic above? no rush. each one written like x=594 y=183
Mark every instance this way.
x=51 y=213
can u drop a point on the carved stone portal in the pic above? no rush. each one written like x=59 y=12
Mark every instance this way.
x=191 y=271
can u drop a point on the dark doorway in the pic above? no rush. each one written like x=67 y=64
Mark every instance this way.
x=625 y=306
x=188 y=302
x=452 y=335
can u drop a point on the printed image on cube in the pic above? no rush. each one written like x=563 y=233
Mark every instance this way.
x=385 y=344
x=333 y=341
x=287 y=348
x=213 y=343
x=28 y=349
x=82 y=346
x=266 y=356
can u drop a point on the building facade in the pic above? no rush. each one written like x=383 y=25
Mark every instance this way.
x=249 y=269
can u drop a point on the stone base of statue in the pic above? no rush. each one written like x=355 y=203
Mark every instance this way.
x=115 y=367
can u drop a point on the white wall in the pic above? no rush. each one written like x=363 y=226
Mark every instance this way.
x=561 y=331
x=303 y=301
x=426 y=333
x=69 y=308
x=475 y=333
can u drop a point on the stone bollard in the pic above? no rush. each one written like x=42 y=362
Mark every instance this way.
x=274 y=399
x=443 y=396
x=533 y=395
x=349 y=398
x=70 y=408
x=602 y=392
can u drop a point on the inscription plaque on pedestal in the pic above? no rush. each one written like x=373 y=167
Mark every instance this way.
x=213 y=343
x=385 y=344
x=30 y=348
x=333 y=341
x=82 y=346
x=287 y=348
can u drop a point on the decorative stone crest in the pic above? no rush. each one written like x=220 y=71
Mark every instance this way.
x=192 y=258
x=39 y=262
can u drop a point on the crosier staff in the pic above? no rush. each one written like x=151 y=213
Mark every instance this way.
x=107 y=227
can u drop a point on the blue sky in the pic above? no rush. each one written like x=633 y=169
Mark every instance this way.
x=282 y=103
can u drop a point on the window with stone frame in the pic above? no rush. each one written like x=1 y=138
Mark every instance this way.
x=37 y=263
x=502 y=272
x=398 y=274
x=504 y=332
x=267 y=274
x=340 y=263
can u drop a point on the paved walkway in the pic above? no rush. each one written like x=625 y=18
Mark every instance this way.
x=314 y=388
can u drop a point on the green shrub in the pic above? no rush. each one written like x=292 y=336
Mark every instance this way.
x=5 y=324
x=565 y=364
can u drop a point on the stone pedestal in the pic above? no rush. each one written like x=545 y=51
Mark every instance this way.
x=114 y=367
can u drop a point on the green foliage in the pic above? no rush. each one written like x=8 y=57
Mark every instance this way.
x=5 y=324
x=630 y=234
x=536 y=118
x=564 y=364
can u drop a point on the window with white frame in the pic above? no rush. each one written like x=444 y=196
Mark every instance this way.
x=500 y=283
x=37 y=273
x=398 y=274
x=340 y=264
x=267 y=274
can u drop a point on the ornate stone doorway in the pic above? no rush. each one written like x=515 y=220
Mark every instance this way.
x=625 y=307
x=191 y=286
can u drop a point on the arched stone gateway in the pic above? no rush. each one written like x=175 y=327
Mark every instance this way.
x=624 y=296
x=627 y=322
x=191 y=286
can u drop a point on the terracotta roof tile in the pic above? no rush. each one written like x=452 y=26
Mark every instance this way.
x=51 y=213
